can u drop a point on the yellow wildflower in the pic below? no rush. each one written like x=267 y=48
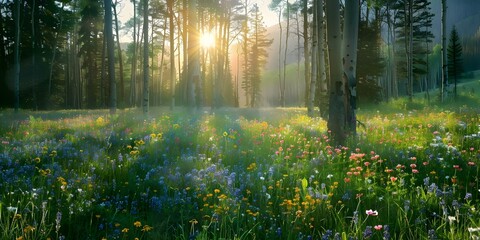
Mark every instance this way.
x=146 y=228
x=137 y=224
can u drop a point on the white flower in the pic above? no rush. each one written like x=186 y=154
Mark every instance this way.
x=329 y=176
x=371 y=212
x=451 y=219
x=12 y=209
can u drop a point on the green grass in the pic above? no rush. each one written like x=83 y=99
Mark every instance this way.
x=241 y=174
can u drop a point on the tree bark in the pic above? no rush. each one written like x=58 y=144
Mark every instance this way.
x=146 y=94
x=444 y=52
x=350 y=42
x=120 y=57
x=337 y=115
x=111 y=56
x=16 y=60
x=172 y=52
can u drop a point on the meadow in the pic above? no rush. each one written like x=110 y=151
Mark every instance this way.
x=239 y=174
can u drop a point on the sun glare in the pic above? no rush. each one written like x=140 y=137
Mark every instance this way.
x=207 y=40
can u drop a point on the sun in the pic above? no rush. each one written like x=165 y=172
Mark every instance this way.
x=207 y=40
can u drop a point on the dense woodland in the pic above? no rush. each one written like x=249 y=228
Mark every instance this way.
x=68 y=54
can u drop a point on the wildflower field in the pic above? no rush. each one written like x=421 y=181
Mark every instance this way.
x=238 y=174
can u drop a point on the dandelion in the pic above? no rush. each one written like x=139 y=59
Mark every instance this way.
x=371 y=212
x=137 y=224
x=146 y=228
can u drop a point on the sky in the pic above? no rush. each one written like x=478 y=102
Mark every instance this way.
x=270 y=18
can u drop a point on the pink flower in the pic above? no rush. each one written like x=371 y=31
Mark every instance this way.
x=413 y=165
x=371 y=212
x=378 y=227
x=414 y=171
x=393 y=179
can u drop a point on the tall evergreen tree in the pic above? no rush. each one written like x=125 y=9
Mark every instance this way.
x=455 y=61
x=258 y=54
x=413 y=20
x=90 y=41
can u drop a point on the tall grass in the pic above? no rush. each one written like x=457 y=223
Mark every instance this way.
x=236 y=174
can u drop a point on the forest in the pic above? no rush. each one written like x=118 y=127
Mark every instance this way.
x=194 y=119
x=56 y=54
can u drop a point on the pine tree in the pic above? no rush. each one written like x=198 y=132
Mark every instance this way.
x=90 y=41
x=413 y=22
x=257 y=55
x=454 y=56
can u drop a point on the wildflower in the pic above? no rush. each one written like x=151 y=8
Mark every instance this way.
x=406 y=205
x=225 y=134
x=393 y=179
x=58 y=221
x=378 y=227
x=146 y=228
x=472 y=230
x=28 y=229
x=368 y=232
x=329 y=176
x=37 y=160
x=386 y=232
x=468 y=196
x=451 y=219
x=137 y=224
x=125 y=230
x=415 y=171
x=12 y=209
x=371 y=212
x=431 y=234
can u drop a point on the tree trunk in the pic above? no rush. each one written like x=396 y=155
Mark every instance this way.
x=350 y=42
x=133 y=70
x=120 y=58
x=317 y=5
x=111 y=56
x=16 y=60
x=444 y=52
x=287 y=36
x=194 y=81
x=172 y=52
x=306 y=53
x=337 y=116
x=146 y=94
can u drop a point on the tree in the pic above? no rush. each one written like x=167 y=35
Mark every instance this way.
x=111 y=55
x=337 y=116
x=413 y=19
x=454 y=55
x=444 y=51
x=277 y=5
x=257 y=55
x=120 y=58
x=146 y=94
x=194 y=90
x=90 y=26
x=350 y=34
x=17 y=56
x=172 y=51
